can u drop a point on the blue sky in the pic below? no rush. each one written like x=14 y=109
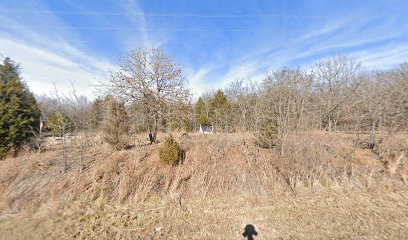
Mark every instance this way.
x=216 y=41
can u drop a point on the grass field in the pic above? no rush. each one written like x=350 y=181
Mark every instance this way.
x=377 y=214
x=220 y=188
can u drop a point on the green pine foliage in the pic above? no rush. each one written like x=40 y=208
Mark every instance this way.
x=268 y=134
x=219 y=102
x=220 y=110
x=203 y=120
x=19 y=113
x=96 y=113
x=170 y=152
x=115 y=125
x=59 y=124
x=201 y=112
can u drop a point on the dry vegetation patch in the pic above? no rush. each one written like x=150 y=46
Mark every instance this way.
x=339 y=215
x=320 y=188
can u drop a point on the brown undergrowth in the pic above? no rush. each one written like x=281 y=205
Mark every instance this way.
x=228 y=170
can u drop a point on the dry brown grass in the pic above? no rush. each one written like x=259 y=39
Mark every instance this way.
x=224 y=182
x=380 y=214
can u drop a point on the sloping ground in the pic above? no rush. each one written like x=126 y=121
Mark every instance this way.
x=320 y=188
x=379 y=214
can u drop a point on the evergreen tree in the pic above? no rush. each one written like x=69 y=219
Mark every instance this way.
x=19 y=113
x=59 y=124
x=219 y=103
x=96 y=113
x=115 y=126
x=267 y=136
x=220 y=110
x=201 y=111
x=170 y=152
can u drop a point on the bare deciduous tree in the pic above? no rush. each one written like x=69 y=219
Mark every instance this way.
x=244 y=97
x=283 y=100
x=152 y=78
x=334 y=77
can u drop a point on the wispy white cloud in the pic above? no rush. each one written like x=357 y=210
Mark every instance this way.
x=344 y=36
x=326 y=30
x=47 y=56
x=58 y=55
x=199 y=82
x=136 y=15
x=42 y=67
x=383 y=57
x=240 y=72
x=141 y=37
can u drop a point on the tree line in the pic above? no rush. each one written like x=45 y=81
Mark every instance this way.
x=149 y=93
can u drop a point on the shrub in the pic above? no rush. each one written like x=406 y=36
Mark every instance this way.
x=203 y=120
x=59 y=124
x=268 y=134
x=170 y=152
